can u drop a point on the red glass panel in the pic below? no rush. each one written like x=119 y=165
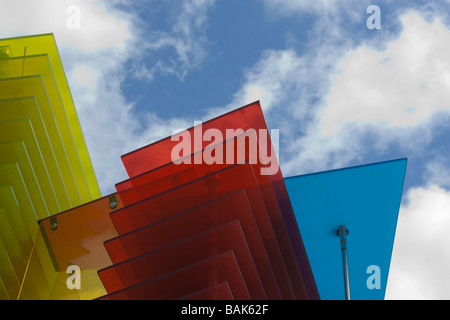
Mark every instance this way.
x=228 y=237
x=201 y=191
x=190 y=279
x=159 y=155
x=173 y=174
x=182 y=225
x=220 y=292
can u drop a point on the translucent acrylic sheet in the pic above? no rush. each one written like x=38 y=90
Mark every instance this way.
x=366 y=199
x=159 y=153
x=8 y=280
x=200 y=219
x=190 y=279
x=45 y=43
x=13 y=190
x=17 y=243
x=219 y=292
x=71 y=238
x=226 y=237
x=10 y=175
x=24 y=107
x=200 y=191
x=15 y=151
x=12 y=266
x=40 y=65
x=36 y=106
x=9 y=198
x=173 y=174
x=22 y=130
x=246 y=119
x=12 y=232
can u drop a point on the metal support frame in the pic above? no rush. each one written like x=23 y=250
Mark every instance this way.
x=343 y=232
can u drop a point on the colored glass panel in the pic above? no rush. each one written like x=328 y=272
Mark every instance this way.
x=227 y=237
x=200 y=191
x=10 y=278
x=14 y=190
x=200 y=219
x=159 y=153
x=24 y=108
x=22 y=129
x=15 y=151
x=17 y=244
x=10 y=175
x=46 y=128
x=187 y=280
x=45 y=44
x=247 y=118
x=8 y=199
x=73 y=237
x=366 y=199
x=174 y=174
x=40 y=65
x=220 y=292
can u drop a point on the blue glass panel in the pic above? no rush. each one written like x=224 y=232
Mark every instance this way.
x=366 y=199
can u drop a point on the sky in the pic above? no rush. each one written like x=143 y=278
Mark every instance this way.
x=340 y=93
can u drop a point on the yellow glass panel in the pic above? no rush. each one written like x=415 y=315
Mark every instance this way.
x=9 y=202
x=12 y=272
x=10 y=175
x=45 y=43
x=17 y=242
x=39 y=111
x=15 y=151
x=71 y=238
x=34 y=190
x=9 y=276
x=40 y=65
x=22 y=129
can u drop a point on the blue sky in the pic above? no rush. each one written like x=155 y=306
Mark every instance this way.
x=339 y=93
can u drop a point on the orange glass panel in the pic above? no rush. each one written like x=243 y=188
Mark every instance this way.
x=78 y=238
x=71 y=238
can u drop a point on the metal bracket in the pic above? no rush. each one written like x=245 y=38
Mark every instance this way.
x=343 y=233
x=53 y=223
x=113 y=202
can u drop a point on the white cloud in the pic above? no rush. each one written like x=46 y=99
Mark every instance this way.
x=395 y=95
x=401 y=86
x=327 y=104
x=288 y=7
x=184 y=44
x=94 y=57
x=437 y=172
x=421 y=257
x=100 y=26
x=270 y=78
